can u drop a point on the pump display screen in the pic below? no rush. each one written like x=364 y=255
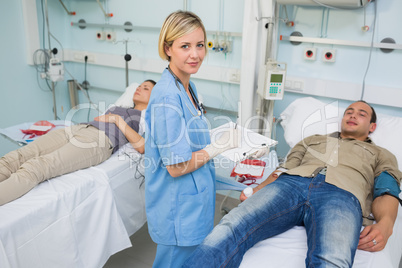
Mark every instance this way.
x=276 y=78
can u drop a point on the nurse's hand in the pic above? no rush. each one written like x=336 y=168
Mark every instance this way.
x=229 y=139
x=259 y=153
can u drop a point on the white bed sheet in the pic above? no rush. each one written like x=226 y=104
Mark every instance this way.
x=75 y=220
x=288 y=250
x=125 y=175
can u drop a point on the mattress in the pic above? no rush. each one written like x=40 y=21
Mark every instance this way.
x=76 y=220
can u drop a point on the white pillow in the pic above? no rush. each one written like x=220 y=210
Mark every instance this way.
x=308 y=116
x=388 y=135
x=126 y=99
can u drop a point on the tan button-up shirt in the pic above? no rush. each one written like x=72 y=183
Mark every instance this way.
x=351 y=165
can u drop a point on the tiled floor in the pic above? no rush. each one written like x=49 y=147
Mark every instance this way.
x=142 y=253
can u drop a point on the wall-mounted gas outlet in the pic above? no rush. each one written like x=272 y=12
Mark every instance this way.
x=100 y=35
x=328 y=55
x=310 y=53
x=225 y=46
x=110 y=36
x=210 y=45
x=215 y=46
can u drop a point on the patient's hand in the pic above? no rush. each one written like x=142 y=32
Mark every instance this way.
x=244 y=197
x=108 y=118
x=272 y=177
x=375 y=237
x=378 y=232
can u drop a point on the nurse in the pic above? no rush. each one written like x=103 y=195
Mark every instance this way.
x=179 y=177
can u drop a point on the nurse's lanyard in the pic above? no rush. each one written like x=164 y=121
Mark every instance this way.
x=177 y=80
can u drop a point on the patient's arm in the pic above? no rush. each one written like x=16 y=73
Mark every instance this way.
x=272 y=177
x=385 y=210
x=136 y=140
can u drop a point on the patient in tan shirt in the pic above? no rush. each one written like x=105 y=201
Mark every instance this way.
x=336 y=155
x=330 y=184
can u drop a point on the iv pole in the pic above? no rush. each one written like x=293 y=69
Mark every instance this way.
x=54 y=101
x=51 y=53
x=267 y=106
x=127 y=57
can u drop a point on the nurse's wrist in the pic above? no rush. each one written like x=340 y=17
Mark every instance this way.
x=212 y=151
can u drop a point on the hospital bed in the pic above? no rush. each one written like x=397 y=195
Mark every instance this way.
x=78 y=219
x=302 y=118
x=82 y=218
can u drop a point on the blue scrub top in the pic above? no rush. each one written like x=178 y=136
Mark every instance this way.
x=180 y=211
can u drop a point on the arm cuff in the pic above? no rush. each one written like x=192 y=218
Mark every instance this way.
x=386 y=184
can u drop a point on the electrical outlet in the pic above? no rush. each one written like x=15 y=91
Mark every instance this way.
x=234 y=76
x=328 y=55
x=310 y=53
x=110 y=36
x=294 y=85
x=100 y=35
x=80 y=56
x=91 y=58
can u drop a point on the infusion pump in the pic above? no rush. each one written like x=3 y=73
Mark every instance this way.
x=271 y=80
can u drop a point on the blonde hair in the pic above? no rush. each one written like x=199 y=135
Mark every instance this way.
x=176 y=25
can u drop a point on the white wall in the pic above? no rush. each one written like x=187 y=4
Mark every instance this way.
x=25 y=97
x=108 y=81
x=21 y=98
x=345 y=74
x=142 y=44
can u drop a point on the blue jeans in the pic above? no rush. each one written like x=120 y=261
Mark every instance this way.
x=332 y=218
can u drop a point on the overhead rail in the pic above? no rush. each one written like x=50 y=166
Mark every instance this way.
x=82 y=24
x=339 y=42
x=128 y=27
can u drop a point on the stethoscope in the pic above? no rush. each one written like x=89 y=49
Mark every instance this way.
x=200 y=107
